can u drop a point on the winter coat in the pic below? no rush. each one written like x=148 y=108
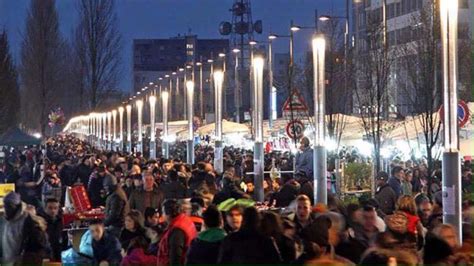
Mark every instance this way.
x=248 y=247
x=138 y=257
x=304 y=162
x=95 y=189
x=176 y=241
x=204 y=249
x=83 y=172
x=127 y=236
x=138 y=196
x=396 y=185
x=115 y=210
x=107 y=249
x=55 y=235
x=24 y=239
x=386 y=198
x=287 y=194
x=174 y=190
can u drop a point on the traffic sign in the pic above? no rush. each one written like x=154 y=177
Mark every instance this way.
x=295 y=103
x=463 y=113
x=295 y=129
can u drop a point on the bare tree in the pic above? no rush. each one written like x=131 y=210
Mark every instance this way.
x=41 y=63
x=337 y=96
x=10 y=98
x=372 y=69
x=98 y=46
x=422 y=67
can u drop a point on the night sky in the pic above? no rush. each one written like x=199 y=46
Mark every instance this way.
x=167 y=18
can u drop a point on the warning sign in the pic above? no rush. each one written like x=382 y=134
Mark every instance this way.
x=295 y=103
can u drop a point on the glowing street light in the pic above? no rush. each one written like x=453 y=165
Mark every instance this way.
x=190 y=109
x=258 y=161
x=121 y=110
x=319 y=149
x=129 y=128
x=109 y=130
x=165 y=144
x=139 y=104
x=152 y=101
x=114 y=129
x=218 y=150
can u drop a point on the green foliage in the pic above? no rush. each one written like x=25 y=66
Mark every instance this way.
x=9 y=94
x=357 y=174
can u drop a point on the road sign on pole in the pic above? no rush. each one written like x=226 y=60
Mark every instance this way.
x=463 y=113
x=295 y=129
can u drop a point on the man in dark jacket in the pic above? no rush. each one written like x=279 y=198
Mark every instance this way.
x=106 y=247
x=384 y=194
x=395 y=181
x=96 y=186
x=52 y=216
x=150 y=196
x=203 y=248
x=23 y=235
x=304 y=158
x=116 y=205
x=174 y=189
x=248 y=245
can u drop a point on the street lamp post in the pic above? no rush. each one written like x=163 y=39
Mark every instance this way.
x=237 y=90
x=114 y=129
x=109 y=131
x=139 y=104
x=451 y=158
x=121 y=109
x=190 y=109
x=129 y=128
x=319 y=149
x=211 y=79
x=164 y=105
x=218 y=150
x=222 y=56
x=201 y=96
x=152 y=101
x=270 y=83
x=258 y=161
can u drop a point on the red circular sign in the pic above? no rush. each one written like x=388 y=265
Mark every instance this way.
x=295 y=129
x=463 y=113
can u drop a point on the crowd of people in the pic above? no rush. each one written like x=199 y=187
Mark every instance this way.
x=166 y=212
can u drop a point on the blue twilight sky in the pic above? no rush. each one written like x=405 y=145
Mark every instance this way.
x=167 y=18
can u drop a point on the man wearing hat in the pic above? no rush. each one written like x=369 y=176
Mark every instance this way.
x=23 y=236
x=384 y=194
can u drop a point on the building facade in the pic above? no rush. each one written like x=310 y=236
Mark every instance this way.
x=406 y=25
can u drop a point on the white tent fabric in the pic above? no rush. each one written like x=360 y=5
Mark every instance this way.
x=227 y=128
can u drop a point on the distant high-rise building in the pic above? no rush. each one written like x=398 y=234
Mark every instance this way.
x=153 y=58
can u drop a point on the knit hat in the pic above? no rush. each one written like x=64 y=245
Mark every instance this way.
x=12 y=198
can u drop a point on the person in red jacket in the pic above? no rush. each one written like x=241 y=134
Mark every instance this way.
x=178 y=235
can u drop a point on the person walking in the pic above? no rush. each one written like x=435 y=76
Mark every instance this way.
x=177 y=238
